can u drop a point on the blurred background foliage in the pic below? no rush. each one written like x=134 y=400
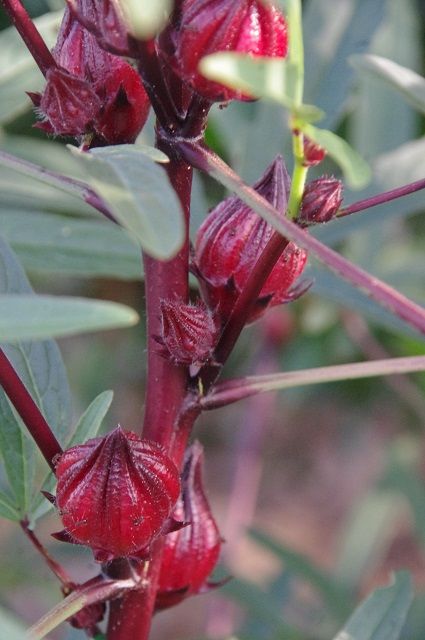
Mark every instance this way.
x=319 y=491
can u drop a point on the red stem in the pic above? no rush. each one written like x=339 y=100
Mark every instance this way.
x=29 y=411
x=382 y=198
x=30 y=35
x=249 y=295
x=54 y=566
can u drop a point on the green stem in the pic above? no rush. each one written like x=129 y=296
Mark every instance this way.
x=299 y=175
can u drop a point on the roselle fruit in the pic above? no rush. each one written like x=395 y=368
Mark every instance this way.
x=231 y=239
x=208 y=26
x=190 y=554
x=90 y=92
x=321 y=200
x=116 y=493
x=189 y=333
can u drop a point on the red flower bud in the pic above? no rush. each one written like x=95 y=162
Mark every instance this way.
x=313 y=153
x=189 y=333
x=115 y=493
x=231 y=239
x=90 y=91
x=321 y=200
x=191 y=553
x=208 y=26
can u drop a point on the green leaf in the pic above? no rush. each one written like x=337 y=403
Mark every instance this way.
x=139 y=194
x=7 y=509
x=334 y=594
x=18 y=71
x=11 y=627
x=356 y=170
x=40 y=366
x=30 y=317
x=272 y=78
x=407 y=82
x=65 y=245
x=92 y=418
x=146 y=19
x=382 y=615
x=258 y=603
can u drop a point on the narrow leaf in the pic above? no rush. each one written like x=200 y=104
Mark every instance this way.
x=11 y=627
x=40 y=367
x=334 y=594
x=407 y=82
x=382 y=615
x=139 y=195
x=65 y=245
x=272 y=78
x=24 y=317
x=356 y=170
x=7 y=509
x=92 y=418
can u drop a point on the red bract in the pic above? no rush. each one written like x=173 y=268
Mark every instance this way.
x=231 y=239
x=189 y=333
x=191 y=553
x=321 y=200
x=209 y=26
x=115 y=493
x=90 y=91
x=313 y=153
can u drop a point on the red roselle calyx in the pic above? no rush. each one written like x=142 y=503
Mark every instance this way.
x=208 y=26
x=191 y=553
x=116 y=493
x=90 y=91
x=189 y=333
x=321 y=200
x=231 y=239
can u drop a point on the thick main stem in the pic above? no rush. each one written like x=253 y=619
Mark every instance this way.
x=131 y=615
x=28 y=410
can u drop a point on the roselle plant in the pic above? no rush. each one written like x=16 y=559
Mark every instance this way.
x=135 y=497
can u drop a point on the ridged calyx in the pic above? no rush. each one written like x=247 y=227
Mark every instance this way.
x=191 y=553
x=231 y=239
x=90 y=91
x=116 y=493
x=321 y=200
x=207 y=26
x=189 y=333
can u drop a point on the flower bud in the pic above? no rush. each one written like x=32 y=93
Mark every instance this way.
x=208 y=26
x=321 y=200
x=90 y=91
x=231 y=239
x=313 y=153
x=189 y=333
x=115 y=493
x=105 y=20
x=191 y=553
